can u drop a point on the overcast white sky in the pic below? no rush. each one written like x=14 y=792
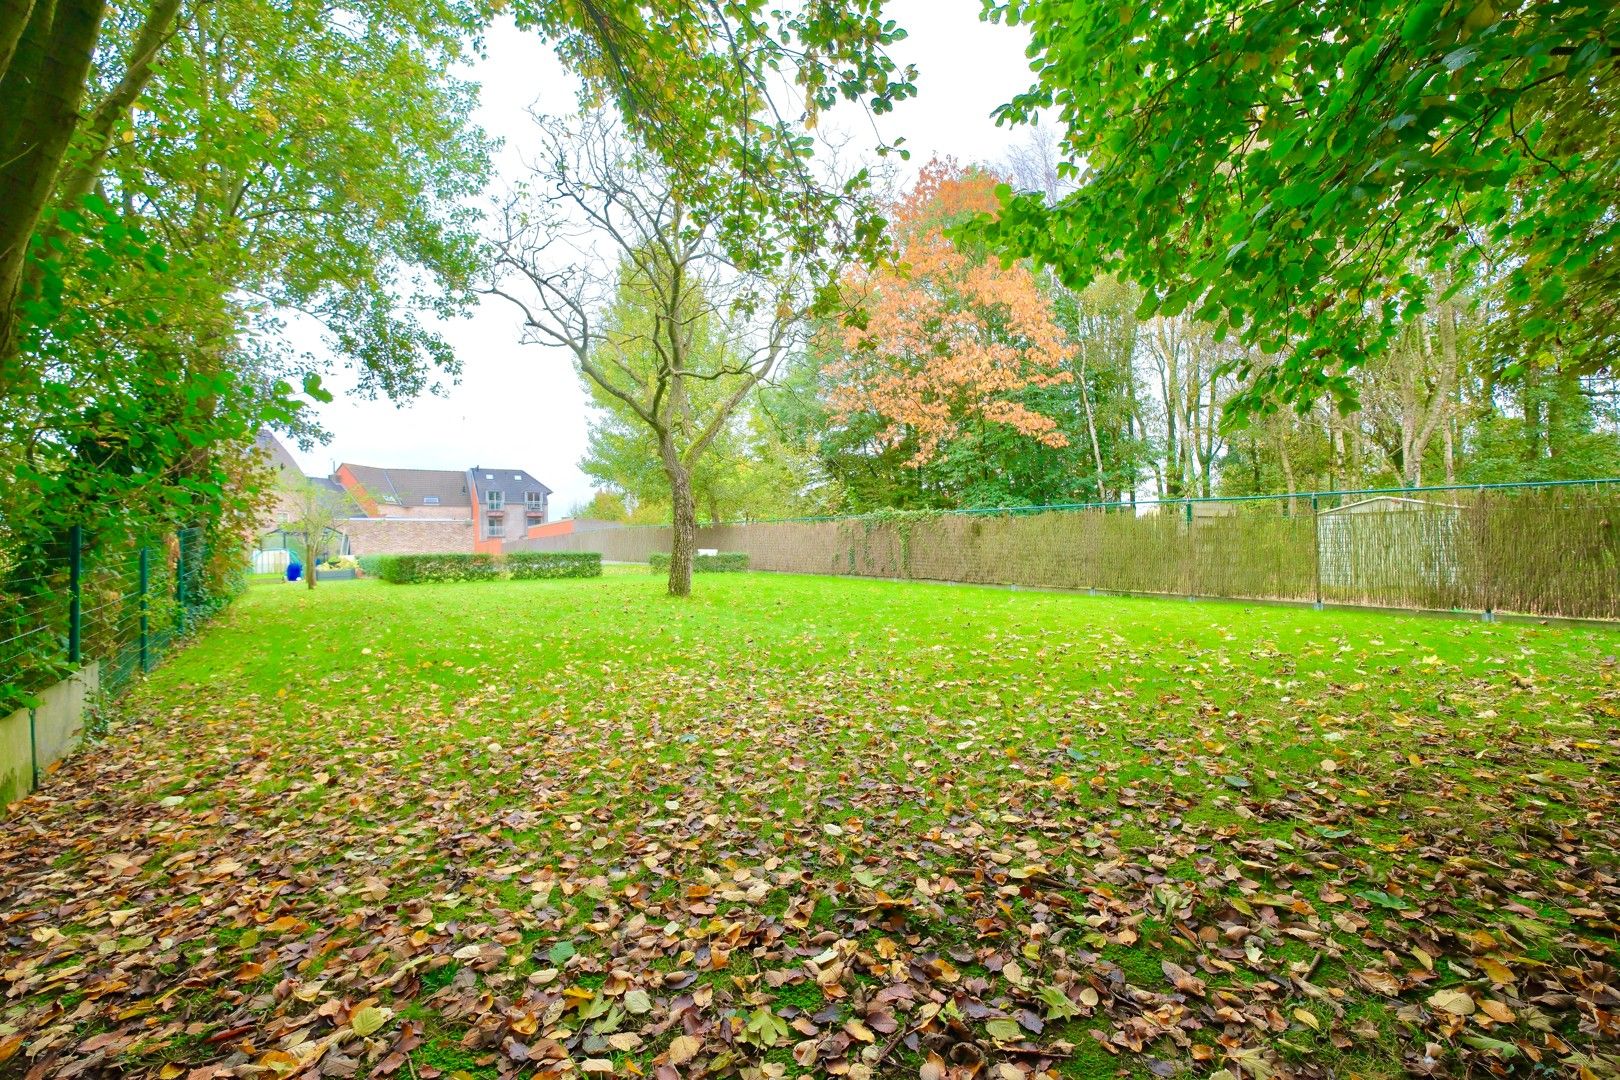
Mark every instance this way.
x=521 y=406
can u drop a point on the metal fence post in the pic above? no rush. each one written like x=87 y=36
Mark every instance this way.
x=146 y=664
x=1316 y=542
x=180 y=582
x=1192 y=551
x=1486 y=600
x=75 y=592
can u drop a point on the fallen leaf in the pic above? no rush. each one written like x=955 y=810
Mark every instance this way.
x=1455 y=1002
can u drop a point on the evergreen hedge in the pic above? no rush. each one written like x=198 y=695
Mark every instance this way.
x=521 y=565
x=727 y=562
x=457 y=566
x=370 y=565
x=461 y=566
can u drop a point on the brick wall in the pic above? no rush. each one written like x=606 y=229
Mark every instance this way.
x=407 y=536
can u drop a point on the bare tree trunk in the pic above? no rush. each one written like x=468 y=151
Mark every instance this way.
x=42 y=87
x=1091 y=426
x=14 y=16
x=1287 y=461
x=1445 y=395
x=309 y=560
x=1449 y=443
x=683 y=533
x=99 y=128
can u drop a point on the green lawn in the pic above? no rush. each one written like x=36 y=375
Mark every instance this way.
x=802 y=825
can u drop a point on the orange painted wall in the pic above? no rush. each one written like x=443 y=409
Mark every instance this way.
x=550 y=528
x=357 y=492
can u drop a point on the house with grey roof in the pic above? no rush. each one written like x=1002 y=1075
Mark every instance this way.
x=399 y=511
x=506 y=503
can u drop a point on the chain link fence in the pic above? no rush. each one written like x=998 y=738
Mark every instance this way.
x=119 y=608
x=1550 y=549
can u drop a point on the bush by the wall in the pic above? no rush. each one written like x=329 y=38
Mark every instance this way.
x=726 y=562
x=370 y=565
x=458 y=566
x=522 y=565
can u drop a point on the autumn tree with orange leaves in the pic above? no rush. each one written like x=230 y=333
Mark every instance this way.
x=952 y=340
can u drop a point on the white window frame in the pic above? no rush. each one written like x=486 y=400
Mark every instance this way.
x=494 y=500
x=494 y=528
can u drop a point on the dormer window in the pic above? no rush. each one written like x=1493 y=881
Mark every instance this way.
x=495 y=500
x=534 y=500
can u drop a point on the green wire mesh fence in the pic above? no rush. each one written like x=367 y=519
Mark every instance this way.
x=123 y=607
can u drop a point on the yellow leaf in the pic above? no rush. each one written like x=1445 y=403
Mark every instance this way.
x=368 y=1020
x=683 y=1049
x=1497 y=971
x=1452 y=1001
x=1308 y=1018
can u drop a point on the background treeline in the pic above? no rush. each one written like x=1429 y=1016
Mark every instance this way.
x=967 y=384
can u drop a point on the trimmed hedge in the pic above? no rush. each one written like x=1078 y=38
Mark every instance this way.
x=727 y=562
x=522 y=565
x=410 y=569
x=461 y=566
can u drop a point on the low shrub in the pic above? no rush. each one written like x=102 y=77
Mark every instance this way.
x=370 y=565
x=457 y=566
x=522 y=565
x=726 y=562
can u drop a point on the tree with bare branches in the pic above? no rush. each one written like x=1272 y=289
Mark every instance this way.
x=602 y=258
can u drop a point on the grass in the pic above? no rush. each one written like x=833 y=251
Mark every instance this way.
x=494 y=810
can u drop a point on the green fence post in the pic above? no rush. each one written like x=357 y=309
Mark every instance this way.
x=75 y=592
x=1316 y=542
x=146 y=664
x=1486 y=600
x=1192 y=550
x=180 y=582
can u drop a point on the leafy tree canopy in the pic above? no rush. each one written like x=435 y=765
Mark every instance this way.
x=727 y=97
x=1287 y=170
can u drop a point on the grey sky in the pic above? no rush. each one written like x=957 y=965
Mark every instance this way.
x=521 y=406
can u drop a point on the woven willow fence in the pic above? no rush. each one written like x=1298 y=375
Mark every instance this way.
x=1549 y=550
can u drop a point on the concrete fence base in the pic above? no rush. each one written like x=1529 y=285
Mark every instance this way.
x=32 y=740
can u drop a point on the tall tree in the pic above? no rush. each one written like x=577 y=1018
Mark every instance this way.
x=667 y=325
x=1276 y=169
x=950 y=340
